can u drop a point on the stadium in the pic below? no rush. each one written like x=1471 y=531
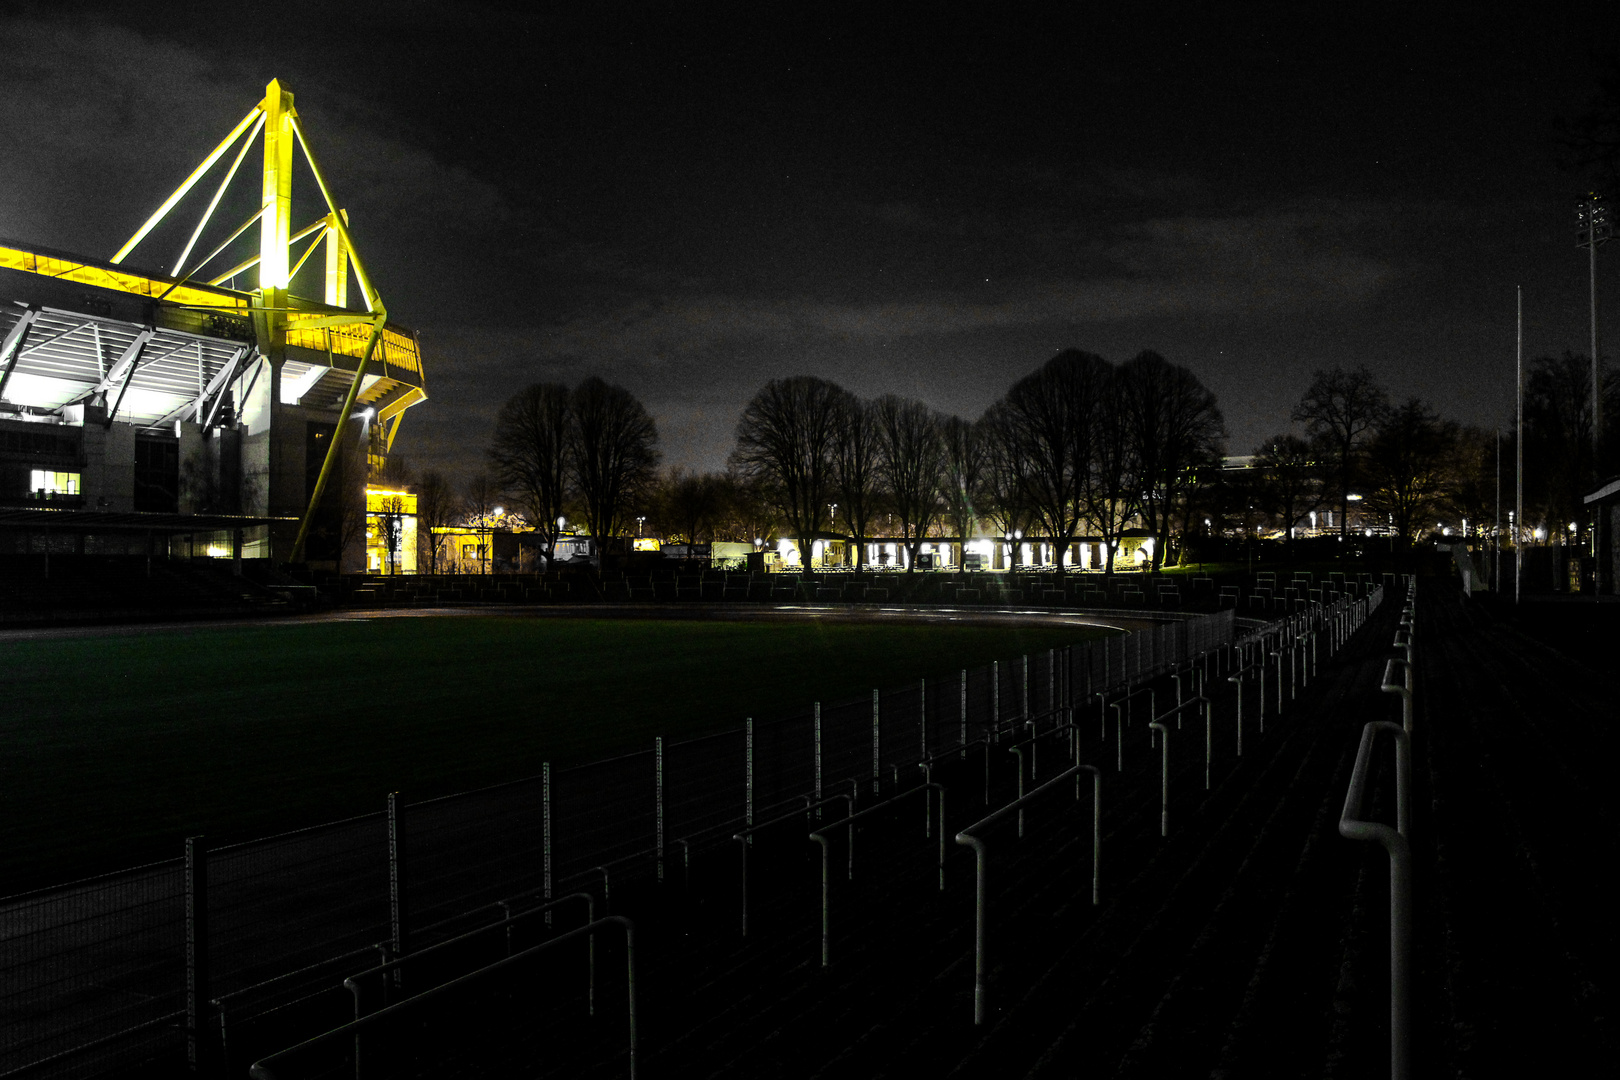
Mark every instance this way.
x=146 y=412
x=724 y=851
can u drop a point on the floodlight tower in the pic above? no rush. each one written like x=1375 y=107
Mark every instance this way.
x=1592 y=223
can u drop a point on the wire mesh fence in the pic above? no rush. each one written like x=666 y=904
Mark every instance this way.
x=100 y=971
x=97 y=960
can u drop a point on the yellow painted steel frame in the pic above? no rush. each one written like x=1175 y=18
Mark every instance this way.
x=277 y=119
x=337 y=442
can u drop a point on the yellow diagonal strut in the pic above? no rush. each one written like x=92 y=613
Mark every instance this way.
x=337 y=440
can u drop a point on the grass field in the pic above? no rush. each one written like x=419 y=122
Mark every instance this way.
x=117 y=747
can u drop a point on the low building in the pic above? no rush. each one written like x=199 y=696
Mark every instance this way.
x=1605 y=508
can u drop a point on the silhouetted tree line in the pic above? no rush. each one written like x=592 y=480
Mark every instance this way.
x=1411 y=466
x=1079 y=447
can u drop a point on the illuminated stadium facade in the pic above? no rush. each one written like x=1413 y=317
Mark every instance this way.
x=142 y=410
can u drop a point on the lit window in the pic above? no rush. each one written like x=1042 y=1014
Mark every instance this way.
x=53 y=483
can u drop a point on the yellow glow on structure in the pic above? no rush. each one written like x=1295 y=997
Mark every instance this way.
x=275 y=227
x=123 y=281
x=395 y=351
x=380 y=500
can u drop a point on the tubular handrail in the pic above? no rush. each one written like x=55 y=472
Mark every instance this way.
x=968 y=838
x=821 y=838
x=1236 y=679
x=744 y=838
x=352 y=982
x=1164 y=778
x=1017 y=750
x=1119 y=719
x=1209 y=729
x=1401 y=685
x=265 y=1068
x=984 y=742
x=1395 y=842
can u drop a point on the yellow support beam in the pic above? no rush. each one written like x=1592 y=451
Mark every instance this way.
x=252 y=261
x=337 y=261
x=275 y=226
x=373 y=301
x=337 y=441
x=219 y=193
x=180 y=192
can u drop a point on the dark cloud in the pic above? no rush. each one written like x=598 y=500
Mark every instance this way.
x=690 y=205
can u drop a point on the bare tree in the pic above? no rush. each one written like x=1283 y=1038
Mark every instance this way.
x=963 y=480
x=1410 y=464
x=855 y=467
x=1558 y=452
x=691 y=503
x=742 y=513
x=1174 y=425
x=785 y=440
x=1342 y=408
x=1113 y=489
x=478 y=502
x=911 y=461
x=531 y=454
x=1472 y=493
x=1046 y=424
x=1287 y=481
x=616 y=456
x=1006 y=473
x=435 y=508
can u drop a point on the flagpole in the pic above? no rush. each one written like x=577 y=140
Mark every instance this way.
x=1518 y=448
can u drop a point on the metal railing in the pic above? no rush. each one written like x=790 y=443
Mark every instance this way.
x=969 y=837
x=1397 y=841
x=274 y=1066
x=821 y=837
x=393 y=969
x=430 y=868
x=1394 y=841
x=745 y=839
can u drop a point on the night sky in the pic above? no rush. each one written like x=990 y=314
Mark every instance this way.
x=690 y=204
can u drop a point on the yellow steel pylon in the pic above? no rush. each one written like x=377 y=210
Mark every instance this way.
x=277 y=119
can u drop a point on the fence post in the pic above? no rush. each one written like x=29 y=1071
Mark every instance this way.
x=818 y=753
x=964 y=714
x=1024 y=697
x=877 y=755
x=995 y=700
x=922 y=717
x=199 y=1047
x=658 y=783
x=748 y=788
x=398 y=909
x=545 y=827
x=1051 y=680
